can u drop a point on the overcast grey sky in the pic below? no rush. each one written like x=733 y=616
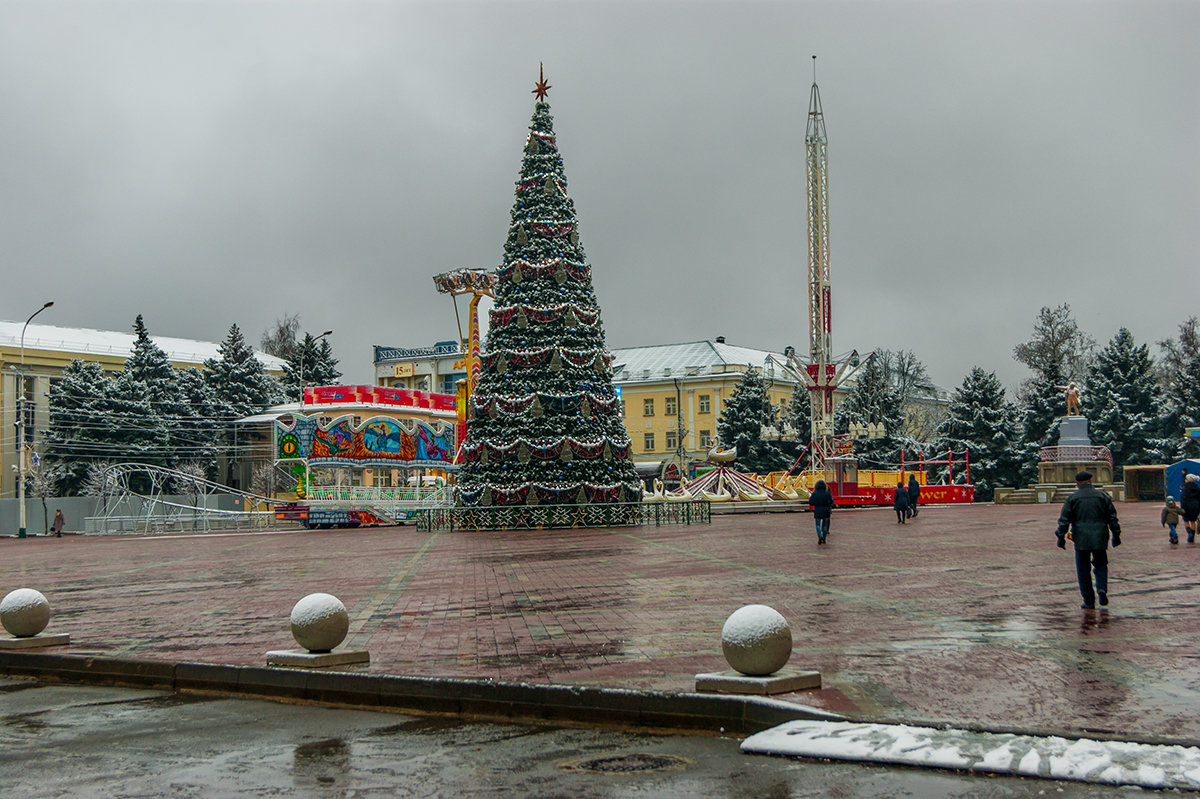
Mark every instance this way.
x=205 y=163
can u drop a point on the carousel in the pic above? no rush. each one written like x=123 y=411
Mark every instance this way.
x=723 y=483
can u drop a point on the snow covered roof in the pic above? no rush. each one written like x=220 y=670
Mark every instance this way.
x=84 y=341
x=660 y=361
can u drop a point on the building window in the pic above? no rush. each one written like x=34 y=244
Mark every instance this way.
x=648 y=440
x=706 y=438
x=672 y=440
x=647 y=407
x=705 y=406
x=671 y=409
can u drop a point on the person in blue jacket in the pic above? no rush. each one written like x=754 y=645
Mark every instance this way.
x=914 y=493
x=900 y=502
x=821 y=502
x=1088 y=516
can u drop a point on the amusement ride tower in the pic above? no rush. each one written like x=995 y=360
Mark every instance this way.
x=822 y=374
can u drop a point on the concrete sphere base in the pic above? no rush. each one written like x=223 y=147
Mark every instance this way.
x=320 y=622
x=24 y=612
x=756 y=640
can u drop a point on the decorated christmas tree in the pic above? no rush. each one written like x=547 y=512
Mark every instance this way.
x=544 y=426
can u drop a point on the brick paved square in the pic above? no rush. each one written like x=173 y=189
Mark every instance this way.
x=967 y=614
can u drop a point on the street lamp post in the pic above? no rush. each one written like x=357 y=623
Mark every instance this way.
x=20 y=425
x=307 y=473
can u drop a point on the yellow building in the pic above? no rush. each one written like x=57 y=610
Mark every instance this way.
x=672 y=394
x=47 y=351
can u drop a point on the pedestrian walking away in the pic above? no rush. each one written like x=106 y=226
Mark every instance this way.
x=1189 y=502
x=900 y=502
x=914 y=494
x=821 y=502
x=59 y=522
x=1171 y=513
x=1087 y=517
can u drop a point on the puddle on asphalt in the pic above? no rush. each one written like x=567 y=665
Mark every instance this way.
x=25 y=723
x=426 y=725
x=175 y=700
x=325 y=762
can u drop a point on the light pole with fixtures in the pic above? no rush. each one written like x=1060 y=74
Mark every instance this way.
x=20 y=425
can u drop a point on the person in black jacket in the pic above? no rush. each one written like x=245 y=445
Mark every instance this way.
x=821 y=502
x=1189 y=503
x=900 y=502
x=914 y=493
x=1088 y=515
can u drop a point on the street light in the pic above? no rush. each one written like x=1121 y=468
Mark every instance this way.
x=307 y=473
x=20 y=424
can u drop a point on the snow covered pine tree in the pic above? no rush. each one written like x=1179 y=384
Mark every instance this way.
x=544 y=426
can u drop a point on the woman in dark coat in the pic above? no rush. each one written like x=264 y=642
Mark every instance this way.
x=900 y=502
x=821 y=502
x=914 y=493
x=1189 y=501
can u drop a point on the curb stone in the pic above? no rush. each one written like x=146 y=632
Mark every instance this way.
x=479 y=698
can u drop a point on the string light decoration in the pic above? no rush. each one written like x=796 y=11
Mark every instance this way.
x=546 y=427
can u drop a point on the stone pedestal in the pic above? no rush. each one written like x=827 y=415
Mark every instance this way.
x=1074 y=453
x=35 y=641
x=1063 y=472
x=781 y=682
x=1073 y=432
x=316 y=660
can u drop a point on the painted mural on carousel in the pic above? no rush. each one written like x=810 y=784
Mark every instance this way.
x=379 y=440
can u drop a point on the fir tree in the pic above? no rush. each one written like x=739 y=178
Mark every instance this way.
x=319 y=366
x=77 y=435
x=873 y=400
x=1122 y=400
x=798 y=416
x=740 y=425
x=205 y=421
x=148 y=365
x=1179 y=376
x=982 y=421
x=544 y=425
x=239 y=381
x=129 y=427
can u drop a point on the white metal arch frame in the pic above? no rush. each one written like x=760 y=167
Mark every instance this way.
x=140 y=497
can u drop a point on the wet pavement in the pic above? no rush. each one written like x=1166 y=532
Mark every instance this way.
x=966 y=615
x=112 y=742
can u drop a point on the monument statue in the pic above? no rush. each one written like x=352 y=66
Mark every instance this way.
x=1073 y=396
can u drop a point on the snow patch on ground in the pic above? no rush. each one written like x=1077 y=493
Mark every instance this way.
x=1084 y=760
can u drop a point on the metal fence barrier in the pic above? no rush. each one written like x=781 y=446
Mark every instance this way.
x=549 y=517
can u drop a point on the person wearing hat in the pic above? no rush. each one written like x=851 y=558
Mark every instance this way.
x=1170 y=517
x=1189 y=502
x=1088 y=516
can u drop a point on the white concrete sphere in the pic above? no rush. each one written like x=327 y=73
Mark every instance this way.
x=320 y=622
x=24 y=612
x=756 y=640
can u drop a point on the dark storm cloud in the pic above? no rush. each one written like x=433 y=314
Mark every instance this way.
x=215 y=162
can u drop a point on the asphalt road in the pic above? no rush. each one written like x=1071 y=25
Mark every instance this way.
x=59 y=740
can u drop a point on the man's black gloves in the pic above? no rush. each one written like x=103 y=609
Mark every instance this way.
x=1062 y=542
x=1116 y=540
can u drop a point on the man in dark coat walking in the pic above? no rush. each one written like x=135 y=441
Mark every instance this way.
x=1088 y=515
x=914 y=493
x=821 y=502
x=900 y=502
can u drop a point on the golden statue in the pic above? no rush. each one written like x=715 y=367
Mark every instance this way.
x=1073 y=396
